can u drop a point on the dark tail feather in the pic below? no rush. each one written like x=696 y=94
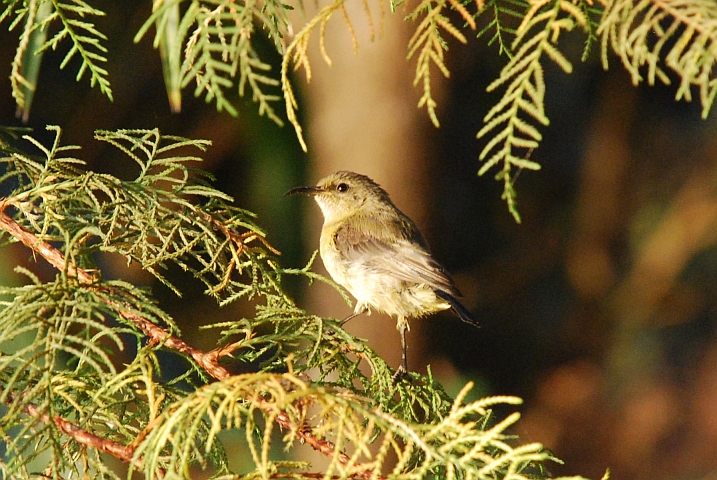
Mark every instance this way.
x=458 y=308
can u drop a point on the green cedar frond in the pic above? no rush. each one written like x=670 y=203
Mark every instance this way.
x=86 y=40
x=58 y=311
x=593 y=15
x=216 y=37
x=218 y=48
x=278 y=332
x=211 y=43
x=170 y=50
x=430 y=45
x=502 y=12
x=58 y=340
x=456 y=446
x=10 y=7
x=511 y=121
x=296 y=54
x=152 y=219
x=26 y=64
x=115 y=411
x=681 y=35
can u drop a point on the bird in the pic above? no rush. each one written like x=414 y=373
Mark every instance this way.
x=379 y=255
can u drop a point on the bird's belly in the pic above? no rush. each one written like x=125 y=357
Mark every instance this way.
x=383 y=292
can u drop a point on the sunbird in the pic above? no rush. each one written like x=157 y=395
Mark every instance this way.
x=377 y=253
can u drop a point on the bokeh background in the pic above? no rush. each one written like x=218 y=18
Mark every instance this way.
x=599 y=309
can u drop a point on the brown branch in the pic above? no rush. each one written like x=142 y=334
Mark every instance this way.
x=209 y=361
x=241 y=239
x=102 y=444
x=81 y=435
x=47 y=251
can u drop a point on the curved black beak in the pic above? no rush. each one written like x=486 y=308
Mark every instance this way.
x=303 y=191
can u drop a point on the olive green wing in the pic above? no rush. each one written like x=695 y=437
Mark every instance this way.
x=392 y=247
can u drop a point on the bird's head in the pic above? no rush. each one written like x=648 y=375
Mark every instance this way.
x=342 y=194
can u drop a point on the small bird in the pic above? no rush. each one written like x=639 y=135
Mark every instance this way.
x=378 y=254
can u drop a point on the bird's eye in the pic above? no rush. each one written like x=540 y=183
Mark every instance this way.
x=342 y=187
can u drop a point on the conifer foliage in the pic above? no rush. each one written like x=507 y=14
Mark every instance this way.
x=210 y=45
x=80 y=376
x=81 y=379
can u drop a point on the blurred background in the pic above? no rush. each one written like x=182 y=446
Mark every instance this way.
x=599 y=309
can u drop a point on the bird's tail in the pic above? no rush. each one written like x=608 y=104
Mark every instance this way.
x=458 y=308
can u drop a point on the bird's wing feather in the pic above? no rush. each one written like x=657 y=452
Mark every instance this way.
x=402 y=253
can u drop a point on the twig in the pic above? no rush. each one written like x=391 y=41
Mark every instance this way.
x=241 y=239
x=209 y=361
x=82 y=436
x=47 y=251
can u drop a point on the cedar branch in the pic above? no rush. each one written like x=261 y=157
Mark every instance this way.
x=81 y=435
x=209 y=361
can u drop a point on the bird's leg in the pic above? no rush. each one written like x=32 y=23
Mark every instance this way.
x=355 y=314
x=403 y=369
x=345 y=320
